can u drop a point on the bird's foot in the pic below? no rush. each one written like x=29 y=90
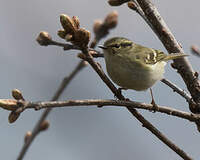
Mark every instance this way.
x=154 y=106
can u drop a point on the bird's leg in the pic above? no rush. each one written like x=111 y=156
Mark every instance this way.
x=155 y=106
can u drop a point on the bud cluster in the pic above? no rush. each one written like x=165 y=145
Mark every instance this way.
x=72 y=32
x=101 y=28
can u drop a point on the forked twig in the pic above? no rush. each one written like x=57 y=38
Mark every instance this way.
x=105 y=102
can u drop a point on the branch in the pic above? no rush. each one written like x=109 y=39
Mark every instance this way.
x=103 y=102
x=182 y=65
x=64 y=45
x=178 y=90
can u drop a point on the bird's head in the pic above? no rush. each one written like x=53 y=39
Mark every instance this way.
x=117 y=45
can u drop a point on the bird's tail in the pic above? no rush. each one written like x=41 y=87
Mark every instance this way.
x=174 y=56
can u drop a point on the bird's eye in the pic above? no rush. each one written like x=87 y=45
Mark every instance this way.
x=116 y=46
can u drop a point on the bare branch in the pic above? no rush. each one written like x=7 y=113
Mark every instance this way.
x=178 y=90
x=65 y=46
x=107 y=102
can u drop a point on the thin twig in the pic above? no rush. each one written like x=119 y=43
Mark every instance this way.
x=107 y=102
x=178 y=90
x=183 y=66
x=61 y=88
x=65 y=46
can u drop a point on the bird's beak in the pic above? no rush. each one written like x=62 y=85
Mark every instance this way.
x=102 y=47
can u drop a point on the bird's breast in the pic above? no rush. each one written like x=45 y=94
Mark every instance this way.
x=133 y=76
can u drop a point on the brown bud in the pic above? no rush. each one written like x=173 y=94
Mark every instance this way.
x=82 y=37
x=62 y=34
x=13 y=116
x=8 y=104
x=132 y=5
x=17 y=94
x=67 y=23
x=111 y=19
x=44 y=125
x=117 y=2
x=27 y=136
x=97 y=25
x=76 y=22
x=44 y=39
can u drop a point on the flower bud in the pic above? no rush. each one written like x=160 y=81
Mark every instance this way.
x=111 y=19
x=27 y=136
x=17 y=94
x=76 y=22
x=67 y=23
x=13 y=116
x=62 y=34
x=82 y=37
x=97 y=25
x=8 y=104
x=117 y=2
x=44 y=39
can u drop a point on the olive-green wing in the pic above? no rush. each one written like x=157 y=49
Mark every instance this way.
x=146 y=55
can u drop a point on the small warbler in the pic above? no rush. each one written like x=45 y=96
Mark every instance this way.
x=132 y=66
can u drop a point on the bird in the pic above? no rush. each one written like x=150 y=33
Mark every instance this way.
x=133 y=66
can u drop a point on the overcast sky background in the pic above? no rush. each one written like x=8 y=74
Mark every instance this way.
x=89 y=133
